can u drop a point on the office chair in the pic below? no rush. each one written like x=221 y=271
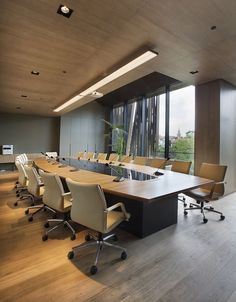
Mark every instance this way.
x=89 y=208
x=126 y=159
x=180 y=167
x=156 y=162
x=80 y=155
x=55 y=198
x=140 y=160
x=89 y=155
x=113 y=157
x=36 y=189
x=208 y=193
x=22 y=185
x=102 y=156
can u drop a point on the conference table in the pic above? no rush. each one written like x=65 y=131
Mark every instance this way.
x=152 y=200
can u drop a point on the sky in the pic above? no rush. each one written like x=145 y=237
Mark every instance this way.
x=182 y=111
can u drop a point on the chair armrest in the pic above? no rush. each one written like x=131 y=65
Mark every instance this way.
x=68 y=196
x=217 y=189
x=117 y=205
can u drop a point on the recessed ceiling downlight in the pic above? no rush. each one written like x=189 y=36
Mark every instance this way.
x=35 y=72
x=64 y=11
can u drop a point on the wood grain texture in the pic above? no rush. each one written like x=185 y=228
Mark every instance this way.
x=186 y=262
x=71 y=54
x=145 y=191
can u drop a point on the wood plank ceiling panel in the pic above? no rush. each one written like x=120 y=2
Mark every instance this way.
x=73 y=53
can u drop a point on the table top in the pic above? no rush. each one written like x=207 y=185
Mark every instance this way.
x=145 y=191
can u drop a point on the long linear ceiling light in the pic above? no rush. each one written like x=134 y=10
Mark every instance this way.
x=148 y=55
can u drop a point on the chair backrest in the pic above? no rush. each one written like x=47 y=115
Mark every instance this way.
x=113 y=157
x=22 y=174
x=80 y=154
x=102 y=156
x=126 y=159
x=34 y=181
x=88 y=206
x=53 y=190
x=140 y=160
x=89 y=155
x=156 y=162
x=215 y=172
x=180 y=166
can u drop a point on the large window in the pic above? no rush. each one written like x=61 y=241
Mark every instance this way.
x=151 y=131
x=182 y=120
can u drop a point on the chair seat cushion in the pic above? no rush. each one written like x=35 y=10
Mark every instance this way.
x=199 y=192
x=114 y=218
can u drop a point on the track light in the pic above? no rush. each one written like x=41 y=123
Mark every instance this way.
x=148 y=55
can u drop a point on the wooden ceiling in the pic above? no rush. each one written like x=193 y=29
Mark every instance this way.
x=71 y=54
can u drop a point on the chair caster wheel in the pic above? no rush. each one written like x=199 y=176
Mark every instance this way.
x=115 y=238
x=21 y=197
x=123 y=255
x=205 y=220
x=191 y=206
x=185 y=213
x=16 y=204
x=44 y=209
x=15 y=186
x=73 y=237
x=26 y=211
x=32 y=204
x=46 y=225
x=222 y=217
x=185 y=205
x=70 y=255
x=93 y=270
x=30 y=218
x=87 y=237
x=54 y=216
x=45 y=237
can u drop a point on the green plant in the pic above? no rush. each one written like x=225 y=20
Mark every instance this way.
x=118 y=135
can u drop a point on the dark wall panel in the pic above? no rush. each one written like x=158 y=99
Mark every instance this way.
x=207 y=123
x=29 y=134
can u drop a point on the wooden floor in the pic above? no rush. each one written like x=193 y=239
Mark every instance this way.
x=189 y=261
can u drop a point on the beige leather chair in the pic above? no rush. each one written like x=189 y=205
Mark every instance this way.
x=140 y=160
x=102 y=156
x=89 y=155
x=21 y=191
x=55 y=198
x=208 y=193
x=180 y=167
x=80 y=155
x=126 y=159
x=89 y=208
x=113 y=157
x=156 y=162
x=36 y=189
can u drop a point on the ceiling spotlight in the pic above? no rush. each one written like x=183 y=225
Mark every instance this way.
x=193 y=71
x=64 y=11
x=35 y=72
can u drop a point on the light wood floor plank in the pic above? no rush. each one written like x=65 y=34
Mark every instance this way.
x=187 y=262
